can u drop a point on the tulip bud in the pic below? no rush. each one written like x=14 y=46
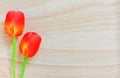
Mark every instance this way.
x=14 y=23
x=29 y=44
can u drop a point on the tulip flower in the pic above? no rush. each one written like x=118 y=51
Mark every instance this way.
x=29 y=46
x=14 y=26
x=14 y=23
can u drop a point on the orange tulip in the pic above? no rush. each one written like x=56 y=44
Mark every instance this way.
x=29 y=44
x=14 y=23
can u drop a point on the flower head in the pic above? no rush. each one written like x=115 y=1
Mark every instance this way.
x=14 y=23
x=29 y=44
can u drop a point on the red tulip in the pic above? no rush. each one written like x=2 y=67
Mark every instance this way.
x=14 y=26
x=29 y=44
x=14 y=23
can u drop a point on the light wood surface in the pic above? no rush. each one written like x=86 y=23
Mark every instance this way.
x=81 y=38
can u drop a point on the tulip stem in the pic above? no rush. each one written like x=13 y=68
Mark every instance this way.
x=24 y=66
x=14 y=56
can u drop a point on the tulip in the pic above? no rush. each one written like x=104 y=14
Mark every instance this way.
x=14 y=26
x=14 y=23
x=29 y=46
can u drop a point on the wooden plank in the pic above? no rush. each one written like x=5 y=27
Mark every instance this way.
x=80 y=38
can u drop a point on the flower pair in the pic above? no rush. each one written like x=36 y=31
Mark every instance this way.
x=29 y=45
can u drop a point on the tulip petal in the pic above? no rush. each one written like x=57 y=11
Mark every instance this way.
x=9 y=26
x=33 y=44
x=19 y=23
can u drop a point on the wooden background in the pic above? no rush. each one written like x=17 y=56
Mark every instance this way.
x=81 y=38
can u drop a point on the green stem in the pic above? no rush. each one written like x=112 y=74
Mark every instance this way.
x=14 y=56
x=24 y=66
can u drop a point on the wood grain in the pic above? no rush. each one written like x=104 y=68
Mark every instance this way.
x=80 y=38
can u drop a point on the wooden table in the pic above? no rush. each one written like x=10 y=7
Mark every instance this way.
x=81 y=38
